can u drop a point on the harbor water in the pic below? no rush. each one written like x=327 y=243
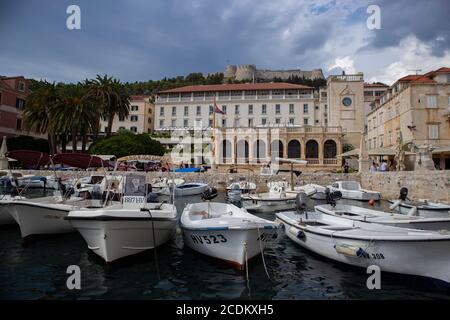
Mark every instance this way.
x=37 y=270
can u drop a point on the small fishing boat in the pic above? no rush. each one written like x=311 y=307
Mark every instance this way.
x=225 y=232
x=385 y=218
x=190 y=189
x=392 y=249
x=164 y=185
x=116 y=231
x=314 y=191
x=422 y=208
x=277 y=199
x=244 y=186
x=352 y=190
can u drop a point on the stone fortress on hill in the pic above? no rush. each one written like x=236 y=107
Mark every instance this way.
x=250 y=72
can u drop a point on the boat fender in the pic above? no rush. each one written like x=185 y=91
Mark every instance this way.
x=178 y=231
x=349 y=250
x=298 y=233
x=444 y=232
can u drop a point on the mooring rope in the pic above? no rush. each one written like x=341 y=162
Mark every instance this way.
x=262 y=255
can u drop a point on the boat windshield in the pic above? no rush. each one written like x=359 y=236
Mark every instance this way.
x=350 y=185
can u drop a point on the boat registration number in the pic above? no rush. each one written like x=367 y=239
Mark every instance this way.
x=375 y=256
x=210 y=239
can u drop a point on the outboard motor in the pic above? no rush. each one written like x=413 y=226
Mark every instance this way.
x=235 y=195
x=209 y=194
x=403 y=194
x=332 y=197
x=301 y=201
x=152 y=198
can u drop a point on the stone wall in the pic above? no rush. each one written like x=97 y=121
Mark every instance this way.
x=432 y=185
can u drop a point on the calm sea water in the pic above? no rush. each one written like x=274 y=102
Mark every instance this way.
x=38 y=271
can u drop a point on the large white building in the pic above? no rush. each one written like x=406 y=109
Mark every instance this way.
x=245 y=105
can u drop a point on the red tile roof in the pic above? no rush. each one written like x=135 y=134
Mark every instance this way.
x=138 y=97
x=424 y=78
x=375 y=85
x=239 y=87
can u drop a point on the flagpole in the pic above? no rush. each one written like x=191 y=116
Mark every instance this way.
x=213 y=135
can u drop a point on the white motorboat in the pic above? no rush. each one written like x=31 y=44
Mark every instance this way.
x=164 y=185
x=46 y=215
x=385 y=218
x=190 y=189
x=225 y=232
x=5 y=214
x=244 y=186
x=115 y=232
x=314 y=191
x=423 y=208
x=277 y=199
x=352 y=190
x=392 y=249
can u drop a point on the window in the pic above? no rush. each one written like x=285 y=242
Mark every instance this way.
x=291 y=108
x=134 y=118
x=277 y=120
x=199 y=110
x=161 y=112
x=432 y=101
x=21 y=86
x=236 y=109
x=224 y=122
x=224 y=109
x=185 y=123
x=121 y=118
x=236 y=123
x=133 y=129
x=19 y=124
x=186 y=111
x=433 y=131
x=277 y=109
x=369 y=124
x=380 y=139
x=211 y=110
x=263 y=121
x=174 y=122
x=264 y=109
x=250 y=109
x=250 y=122
x=210 y=123
x=161 y=123
x=291 y=121
x=305 y=108
x=20 y=104
x=305 y=121
x=121 y=128
x=317 y=107
x=174 y=111
x=317 y=121
x=134 y=108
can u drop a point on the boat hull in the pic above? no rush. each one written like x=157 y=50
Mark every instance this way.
x=232 y=246
x=179 y=192
x=431 y=260
x=258 y=206
x=427 y=213
x=5 y=216
x=33 y=219
x=358 y=195
x=116 y=239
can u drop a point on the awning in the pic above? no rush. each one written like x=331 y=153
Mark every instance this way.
x=140 y=157
x=79 y=160
x=374 y=152
x=443 y=149
x=29 y=158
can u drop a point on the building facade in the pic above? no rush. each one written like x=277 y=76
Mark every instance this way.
x=250 y=72
x=418 y=108
x=139 y=120
x=13 y=95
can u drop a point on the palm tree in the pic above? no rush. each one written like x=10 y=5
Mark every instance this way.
x=111 y=98
x=73 y=114
x=37 y=113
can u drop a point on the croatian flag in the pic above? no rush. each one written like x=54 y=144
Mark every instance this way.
x=217 y=109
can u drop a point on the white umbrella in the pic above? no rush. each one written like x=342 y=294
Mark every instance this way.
x=3 y=158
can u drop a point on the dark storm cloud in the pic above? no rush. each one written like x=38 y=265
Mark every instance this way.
x=428 y=20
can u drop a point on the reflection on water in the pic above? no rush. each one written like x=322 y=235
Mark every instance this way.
x=38 y=271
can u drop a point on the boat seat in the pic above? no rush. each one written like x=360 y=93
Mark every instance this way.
x=199 y=215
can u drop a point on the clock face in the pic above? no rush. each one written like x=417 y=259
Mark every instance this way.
x=347 y=102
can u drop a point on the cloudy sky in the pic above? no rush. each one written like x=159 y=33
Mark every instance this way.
x=141 y=39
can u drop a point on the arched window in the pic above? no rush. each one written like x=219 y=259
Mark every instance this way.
x=242 y=150
x=225 y=150
x=329 y=149
x=259 y=150
x=312 y=149
x=277 y=149
x=294 y=149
